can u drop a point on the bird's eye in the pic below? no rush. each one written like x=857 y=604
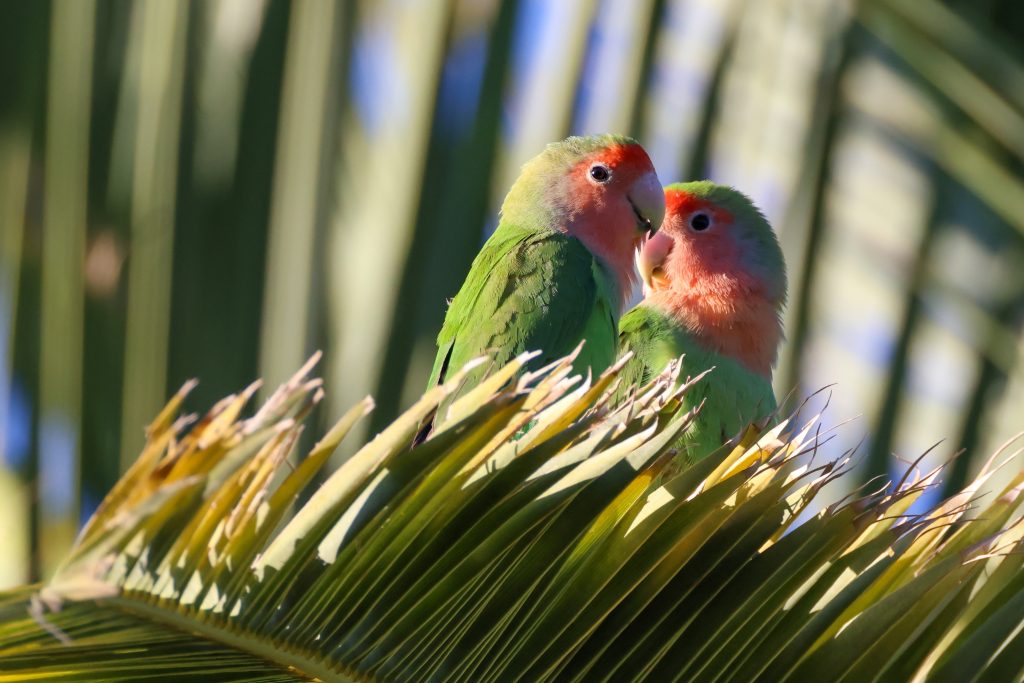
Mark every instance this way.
x=700 y=221
x=600 y=173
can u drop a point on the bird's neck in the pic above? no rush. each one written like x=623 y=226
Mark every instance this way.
x=614 y=242
x=729 y=316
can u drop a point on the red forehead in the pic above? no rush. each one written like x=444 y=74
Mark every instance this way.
x=629 y=158
x=678 y=202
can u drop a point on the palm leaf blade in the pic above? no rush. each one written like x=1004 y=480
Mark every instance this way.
x=541 y=533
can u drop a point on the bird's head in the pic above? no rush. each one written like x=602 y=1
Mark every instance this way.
x=601 y=189
x=716 y=263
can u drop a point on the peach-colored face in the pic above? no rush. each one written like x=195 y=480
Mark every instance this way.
x=696 y=240
x=694 y=268
x=616 y=203
x=619 y=187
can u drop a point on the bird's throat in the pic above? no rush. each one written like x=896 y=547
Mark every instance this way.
x=614 y=247
x=741 y=324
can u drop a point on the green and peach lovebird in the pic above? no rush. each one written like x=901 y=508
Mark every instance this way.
x=559 y=268
x=714 y=285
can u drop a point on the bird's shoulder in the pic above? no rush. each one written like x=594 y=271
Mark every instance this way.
x=521 y=271
x=653 y=336
x=526 y=290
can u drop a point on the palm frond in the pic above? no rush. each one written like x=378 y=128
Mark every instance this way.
x=541 y=533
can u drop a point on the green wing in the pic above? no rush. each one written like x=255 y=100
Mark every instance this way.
x=654 y=340
x=733 y=396
x=525 y=291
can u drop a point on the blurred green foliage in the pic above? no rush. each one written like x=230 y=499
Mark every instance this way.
x=215 y=189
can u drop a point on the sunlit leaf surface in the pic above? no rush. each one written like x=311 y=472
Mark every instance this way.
x=542 y=532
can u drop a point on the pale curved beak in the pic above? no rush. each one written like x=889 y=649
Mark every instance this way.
x=650 y=261
x=648 y=201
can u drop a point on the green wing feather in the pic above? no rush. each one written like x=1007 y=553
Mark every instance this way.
x=733 y=396
x=529 y=290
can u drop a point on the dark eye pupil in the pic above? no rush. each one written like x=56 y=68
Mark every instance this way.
x=599 y=173
x=700 y=222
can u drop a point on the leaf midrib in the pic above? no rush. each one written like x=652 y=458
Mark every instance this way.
x=281 y=654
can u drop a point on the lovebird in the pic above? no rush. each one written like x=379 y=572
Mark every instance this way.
x=714 y=284
x=559 y=268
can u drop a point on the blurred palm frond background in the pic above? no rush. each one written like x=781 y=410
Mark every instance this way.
x=215 y=189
